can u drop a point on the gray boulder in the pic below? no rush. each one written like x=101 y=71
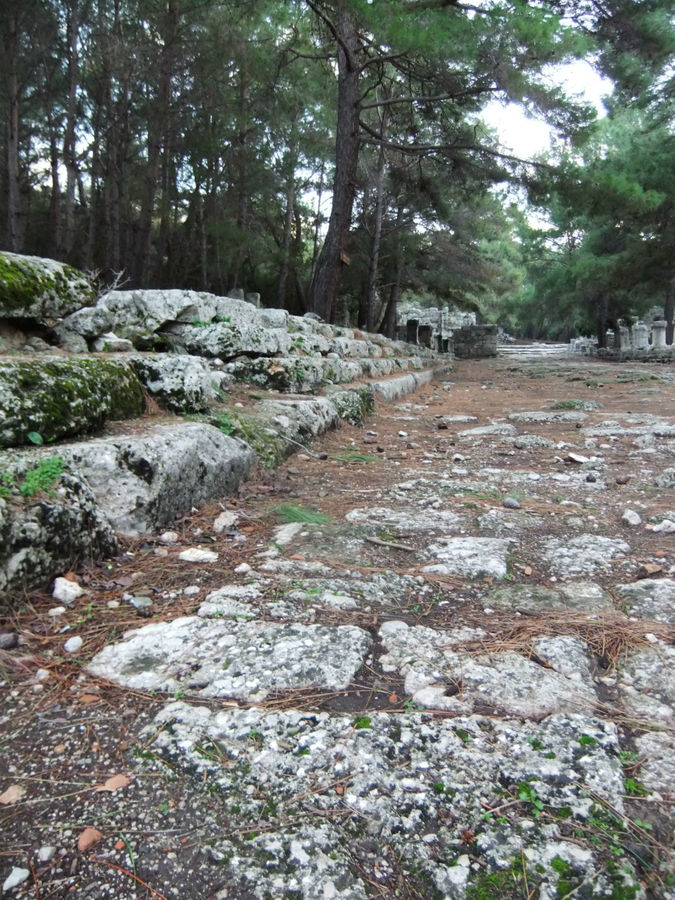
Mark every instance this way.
x=143 y=482
x=35 y=288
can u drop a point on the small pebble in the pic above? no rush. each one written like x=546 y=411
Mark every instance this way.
x=630 y=517
x=243 y=569
x=56 y=611
x=16 y=877
x=113 y=604
x=8 y=640
x=66 y=591
x=191 y=589
x=73 y=644
x=142 y=605
x=169 y=537
x=46 y=853
x=511 y=503
x=196 y=555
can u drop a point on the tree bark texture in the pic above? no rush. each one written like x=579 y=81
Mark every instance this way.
x=328 y=273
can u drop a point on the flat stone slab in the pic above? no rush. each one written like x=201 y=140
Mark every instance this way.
x=499 y=522
x=401 y=520
x=499 y=430
x=580 y=595
x=447 y=670
x=655 y=427
x=549 y=415
x=391 y=792
x=473 y=557
x=583 y=554
x=243 y=660
x=650 y=598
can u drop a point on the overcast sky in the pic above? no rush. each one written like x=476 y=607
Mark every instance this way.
x=525 y=136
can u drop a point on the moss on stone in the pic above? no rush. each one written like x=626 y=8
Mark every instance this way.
x=354 y=405
x=64 y=398
x=271 y=449
x=29 y=287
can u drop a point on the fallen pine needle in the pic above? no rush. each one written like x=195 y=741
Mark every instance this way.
x=153 y=891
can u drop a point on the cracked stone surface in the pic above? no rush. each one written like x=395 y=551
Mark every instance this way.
x=472 y=557
x=233 y=659
x=650 y=598
x=583 y=554
x=504 y=681
x=402 y=776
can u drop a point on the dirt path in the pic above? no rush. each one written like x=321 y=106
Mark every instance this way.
x=432 y=658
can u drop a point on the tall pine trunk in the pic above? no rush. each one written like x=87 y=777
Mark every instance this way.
x=69 y=139
x=326 y=281
x=13 y=193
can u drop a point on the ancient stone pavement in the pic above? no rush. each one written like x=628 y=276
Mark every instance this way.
x=431 y=657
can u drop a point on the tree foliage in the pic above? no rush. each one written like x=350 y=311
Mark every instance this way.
x=329 y=153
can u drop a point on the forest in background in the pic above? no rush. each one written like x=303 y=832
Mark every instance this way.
x=330 y=153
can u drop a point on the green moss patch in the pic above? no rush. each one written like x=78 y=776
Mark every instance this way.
x=53 y=399
x=31 y=287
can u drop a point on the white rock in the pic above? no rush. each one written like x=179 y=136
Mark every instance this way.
x=16 y=877
x=197 y=555
x=225 y=521
x=243 y=569
x=56 y=611
x=46 y=853
x=630 y=517
x=285 y=533
x=73 y=644
x=665 y=527
x=66 y=591
x=169 y=537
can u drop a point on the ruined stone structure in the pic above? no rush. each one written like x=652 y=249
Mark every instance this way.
x=639 y=341
x=446 y=330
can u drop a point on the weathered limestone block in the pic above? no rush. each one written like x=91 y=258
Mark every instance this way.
x=35 y=288
x=89 y=322
x=227 y=340
x=143 y=482
x=475 y=341
x=148 y=311
x=59 y=398
x=309 y=418
x=180 y=383
x=50 y=532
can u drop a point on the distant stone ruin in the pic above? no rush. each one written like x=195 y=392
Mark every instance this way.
x=641 y=341
x=446 y=331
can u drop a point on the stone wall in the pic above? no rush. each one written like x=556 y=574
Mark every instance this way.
x=430 y=327
x=475 y=341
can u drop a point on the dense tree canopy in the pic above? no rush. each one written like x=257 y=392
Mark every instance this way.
x=329 y=153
